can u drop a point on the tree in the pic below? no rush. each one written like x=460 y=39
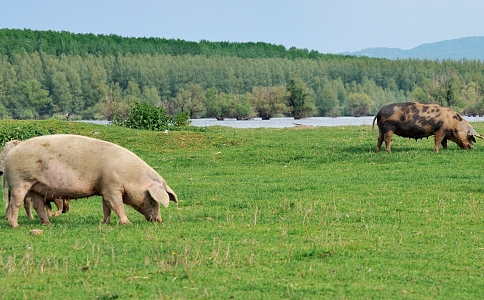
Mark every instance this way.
x=8 y=88
x=61 y=93
x=190 y=100
x=472 y=96
x=150 y=95
x=94 y=81
x=299 y=101
x=213 y=109
x=449 y=90
x=113 y=104
x=78 y=103
x=268 y=102
x=242 y=108
x=218 y=105
x=132 y=92
x=419 y=95
x=327 y=101
x=360 y=104
x=36 y=100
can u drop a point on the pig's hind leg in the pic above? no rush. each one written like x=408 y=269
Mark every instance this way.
x=60 y=206
x=28 y=210
x=16 y=200
x=40 y=207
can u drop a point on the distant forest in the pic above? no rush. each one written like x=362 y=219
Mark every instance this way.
x=44 y=74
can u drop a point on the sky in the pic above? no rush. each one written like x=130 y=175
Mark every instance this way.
x=326 y=26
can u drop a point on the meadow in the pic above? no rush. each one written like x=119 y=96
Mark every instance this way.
x=308 y=213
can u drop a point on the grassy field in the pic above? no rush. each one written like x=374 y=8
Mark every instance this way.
x=267 y=214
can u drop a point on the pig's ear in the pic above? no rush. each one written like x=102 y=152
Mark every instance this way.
x=159 y=194
x=170 y=192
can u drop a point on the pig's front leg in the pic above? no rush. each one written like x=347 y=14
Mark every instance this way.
x=113 y=199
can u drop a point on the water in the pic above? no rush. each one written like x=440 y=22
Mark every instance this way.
x=98 y=122
x=287 y=122
x=290 y=122
x=284 y=122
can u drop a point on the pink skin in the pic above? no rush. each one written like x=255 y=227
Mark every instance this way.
x=72 y=167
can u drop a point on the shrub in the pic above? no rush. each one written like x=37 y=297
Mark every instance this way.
x=182 y=119
x=145 y=116
x=149 y=117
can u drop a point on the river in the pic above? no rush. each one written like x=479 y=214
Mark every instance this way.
x=286 y=122
x=290 y=122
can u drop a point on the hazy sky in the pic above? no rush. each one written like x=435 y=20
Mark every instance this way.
x=327 y=26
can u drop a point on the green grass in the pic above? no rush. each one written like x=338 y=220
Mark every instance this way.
x=267 y=214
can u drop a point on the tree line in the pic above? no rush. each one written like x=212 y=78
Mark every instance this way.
x=46 y=74
x=57 y=43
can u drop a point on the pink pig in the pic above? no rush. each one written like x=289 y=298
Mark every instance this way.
x=73 y=166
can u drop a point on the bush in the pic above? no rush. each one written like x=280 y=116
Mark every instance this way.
x=145 y=116
x=149 y=117
x=182 y=119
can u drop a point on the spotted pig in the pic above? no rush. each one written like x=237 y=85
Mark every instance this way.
x=417 y=120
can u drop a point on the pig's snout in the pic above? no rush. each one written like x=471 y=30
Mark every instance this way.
x=154 y=216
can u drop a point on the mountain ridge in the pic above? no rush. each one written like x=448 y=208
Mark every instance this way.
x=471 y=48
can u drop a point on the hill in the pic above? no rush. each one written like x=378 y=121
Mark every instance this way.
x=44 y=74
x=58 y=43
x=471 y=48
